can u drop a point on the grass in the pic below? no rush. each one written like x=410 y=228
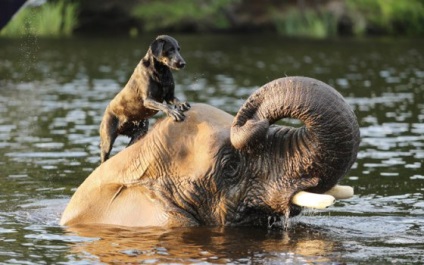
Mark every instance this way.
x=53 y=19
x=58 y=18
x=161 y=14
x=387 y=16
x=308 y=23
x=369 y=17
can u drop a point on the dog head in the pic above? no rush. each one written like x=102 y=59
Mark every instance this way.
x=166 y=50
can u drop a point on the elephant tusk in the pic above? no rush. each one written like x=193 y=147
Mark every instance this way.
x=312 y=200
x=341 y=192
x=321 y=201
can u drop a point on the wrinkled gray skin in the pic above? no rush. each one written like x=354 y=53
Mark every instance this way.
x=214 y=169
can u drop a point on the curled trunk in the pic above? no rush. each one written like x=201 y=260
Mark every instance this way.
x=321 y=151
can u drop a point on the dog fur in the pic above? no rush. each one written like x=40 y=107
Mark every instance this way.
x=142 y=97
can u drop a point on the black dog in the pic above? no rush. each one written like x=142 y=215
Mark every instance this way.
x=142 y=97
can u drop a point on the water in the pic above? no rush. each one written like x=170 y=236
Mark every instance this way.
x=52 y=97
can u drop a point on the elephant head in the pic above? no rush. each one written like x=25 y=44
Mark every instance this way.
x=216 y=169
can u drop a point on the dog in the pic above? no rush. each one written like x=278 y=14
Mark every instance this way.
x=142 y=97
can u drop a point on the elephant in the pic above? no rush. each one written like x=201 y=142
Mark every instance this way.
x=215 y=169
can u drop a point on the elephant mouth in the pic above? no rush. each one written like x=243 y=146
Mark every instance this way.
x=322 y=201
x=308 y=200
x=279 y=219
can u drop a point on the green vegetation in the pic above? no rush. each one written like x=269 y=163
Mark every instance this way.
x=363 y=17
x=309 y=23
x=387 y=16
x=52 y=19
x=328 y=18
x=183 y=14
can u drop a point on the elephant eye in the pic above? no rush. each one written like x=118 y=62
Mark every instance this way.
x=231 y=167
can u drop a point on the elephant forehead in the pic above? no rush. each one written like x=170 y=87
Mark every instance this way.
x=192 y=144
x=209 y=114
x=202 y=121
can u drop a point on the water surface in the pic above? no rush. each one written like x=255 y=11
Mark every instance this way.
x=52 y=97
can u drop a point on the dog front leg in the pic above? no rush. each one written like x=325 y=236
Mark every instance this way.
x=183 y=106
x=174 y=113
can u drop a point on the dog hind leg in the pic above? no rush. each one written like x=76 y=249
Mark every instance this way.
x=140 y=129
x=108 y=134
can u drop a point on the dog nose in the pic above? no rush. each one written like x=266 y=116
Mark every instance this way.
x=181 y=64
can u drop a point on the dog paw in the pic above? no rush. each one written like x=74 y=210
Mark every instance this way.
x=184 y=106
x=177 y=115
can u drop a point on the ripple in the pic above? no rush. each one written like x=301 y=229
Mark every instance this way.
x=49 y=141
x=47 y=154
x=50 y=145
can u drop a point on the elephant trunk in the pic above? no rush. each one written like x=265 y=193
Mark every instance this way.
x=322 y=150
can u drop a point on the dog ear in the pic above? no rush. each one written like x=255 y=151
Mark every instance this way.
x=156 y=47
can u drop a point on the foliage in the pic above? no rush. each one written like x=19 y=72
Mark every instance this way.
x=51 y=19
x=307 y=23
x=162 y=14
x=365 y=17
x=387 y=16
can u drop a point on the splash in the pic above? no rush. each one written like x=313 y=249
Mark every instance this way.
x=279 y=222
x=29 y=49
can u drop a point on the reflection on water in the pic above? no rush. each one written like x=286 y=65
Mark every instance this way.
x=53 y=94
x=213 y=245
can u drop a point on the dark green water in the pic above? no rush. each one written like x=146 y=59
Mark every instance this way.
x=52 y=97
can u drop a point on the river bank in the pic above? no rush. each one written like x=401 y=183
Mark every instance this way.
x=293 y=18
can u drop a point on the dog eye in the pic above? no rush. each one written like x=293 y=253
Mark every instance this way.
x=168 y=52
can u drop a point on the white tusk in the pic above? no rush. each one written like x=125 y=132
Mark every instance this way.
x=341 y=192
x=312 y=200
